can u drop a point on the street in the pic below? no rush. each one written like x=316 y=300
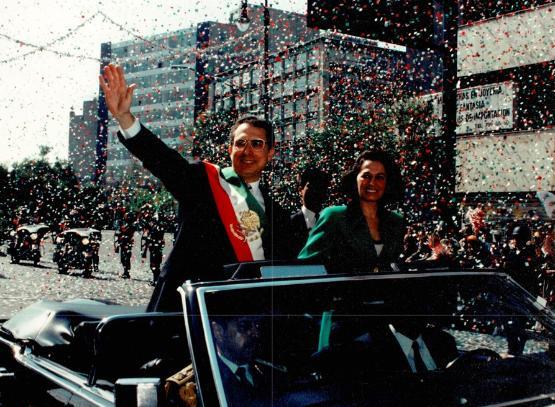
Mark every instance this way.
x=23 y=284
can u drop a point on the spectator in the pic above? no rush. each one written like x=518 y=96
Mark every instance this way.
x=313 y=187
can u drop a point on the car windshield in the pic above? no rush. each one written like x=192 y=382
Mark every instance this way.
x=447 y=340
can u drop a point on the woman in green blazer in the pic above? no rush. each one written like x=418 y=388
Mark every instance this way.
x=361 y=236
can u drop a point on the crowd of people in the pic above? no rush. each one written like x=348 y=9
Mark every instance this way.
x=522 y=247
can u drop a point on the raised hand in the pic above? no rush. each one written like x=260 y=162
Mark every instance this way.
x=118 y=95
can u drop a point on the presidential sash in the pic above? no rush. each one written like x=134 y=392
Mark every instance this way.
x=243 y=223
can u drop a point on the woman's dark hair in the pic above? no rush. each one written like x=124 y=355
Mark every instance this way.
x=394 y=188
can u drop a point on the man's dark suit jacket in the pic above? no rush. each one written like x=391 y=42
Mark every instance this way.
x=201 y=246
x=268 y=382
x=299 y=231
x=441 y=345
x=237 y=393
x=379 y=351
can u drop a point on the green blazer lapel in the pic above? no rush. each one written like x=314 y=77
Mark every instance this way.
x=358 y=233
x=388 y=225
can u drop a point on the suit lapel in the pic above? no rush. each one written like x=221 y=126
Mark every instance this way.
x=359 y=236
x=267 y=236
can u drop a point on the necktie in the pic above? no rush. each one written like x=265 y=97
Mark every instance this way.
x=418 y=362
x=253 y=203
x=316 y=217
x=241 y=374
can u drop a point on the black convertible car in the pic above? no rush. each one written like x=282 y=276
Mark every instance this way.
x=295 y=337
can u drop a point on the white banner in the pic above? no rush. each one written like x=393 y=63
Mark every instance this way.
x=506 y=163
x=509 y=41
x=485 y=108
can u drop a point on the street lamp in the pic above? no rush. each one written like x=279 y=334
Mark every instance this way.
x=243 y=25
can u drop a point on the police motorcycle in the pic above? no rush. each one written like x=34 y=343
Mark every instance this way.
x=25 y=243
x=306 y=337
x=78 y=249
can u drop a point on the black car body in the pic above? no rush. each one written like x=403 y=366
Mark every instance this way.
x=319 y=336
x=78 y=249
x=26 y=242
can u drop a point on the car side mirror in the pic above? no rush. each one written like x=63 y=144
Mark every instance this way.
x=138 y=392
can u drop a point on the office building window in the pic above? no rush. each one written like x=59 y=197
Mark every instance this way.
x=300 y=84
x=288 y=132
x=300 y=130
x=288 y=109
x=288 y=87
x=276 y=90
x=313 y=57
x=228 y=103
x=289 y=65
x=255 y=97
x=255 y=76
x=278 y=68
x=247 y=79
x=313 y=103
x=301 y=61
x=313 y=80
x=236 y=80
x=300 y=108
x=278 y=134
x=276 y=113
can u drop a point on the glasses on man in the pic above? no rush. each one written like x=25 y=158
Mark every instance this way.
x=256 y=143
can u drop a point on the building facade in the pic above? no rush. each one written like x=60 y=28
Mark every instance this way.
x=171 y=75
x=82 y=141
x=329 y=78
x=173 y=72
x=506 y=109
x=163 y=68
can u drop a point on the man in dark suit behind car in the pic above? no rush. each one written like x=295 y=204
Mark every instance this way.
x=313 y=186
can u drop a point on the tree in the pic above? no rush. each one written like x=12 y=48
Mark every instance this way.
x=406 y=129
x=211 y=136
x=333 y=150
x=42 y=192
x=44 y=150
x=6 y=203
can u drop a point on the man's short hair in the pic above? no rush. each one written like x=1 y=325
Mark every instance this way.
x=255 y=122
x=316 y=177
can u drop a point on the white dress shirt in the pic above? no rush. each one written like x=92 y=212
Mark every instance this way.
x=309 y=217
x=406 y=346
x=234 y=367
x=131 y=131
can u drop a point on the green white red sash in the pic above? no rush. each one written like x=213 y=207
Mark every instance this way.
x=242 y=223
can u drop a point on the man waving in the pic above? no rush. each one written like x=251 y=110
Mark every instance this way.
x=225 y=215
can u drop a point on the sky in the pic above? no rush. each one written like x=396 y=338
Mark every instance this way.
x=49 y=58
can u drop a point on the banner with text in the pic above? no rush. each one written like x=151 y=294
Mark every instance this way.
x=485 y=108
